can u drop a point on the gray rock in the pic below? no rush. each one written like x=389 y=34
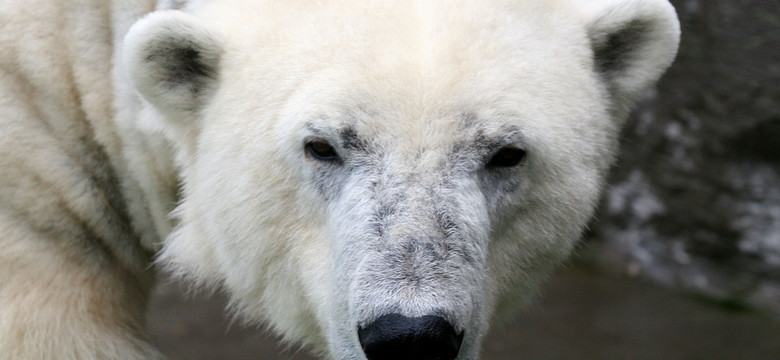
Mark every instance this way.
x=695 y=196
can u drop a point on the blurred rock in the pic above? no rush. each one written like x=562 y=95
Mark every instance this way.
x=695 y=197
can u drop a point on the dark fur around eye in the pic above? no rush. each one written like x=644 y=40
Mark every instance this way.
x=322 y=151
x=506 y=157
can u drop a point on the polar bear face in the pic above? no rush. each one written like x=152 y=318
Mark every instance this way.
x=383 y=179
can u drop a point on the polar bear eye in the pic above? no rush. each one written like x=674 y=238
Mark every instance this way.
x=506 y=157
x=322 y=151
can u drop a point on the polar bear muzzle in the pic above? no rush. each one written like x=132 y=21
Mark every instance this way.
x=395 y=336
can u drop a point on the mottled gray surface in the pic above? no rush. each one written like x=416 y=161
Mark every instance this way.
x=583 y=315
x=695 y=200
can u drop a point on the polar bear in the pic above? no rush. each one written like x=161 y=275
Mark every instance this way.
x=375 y=179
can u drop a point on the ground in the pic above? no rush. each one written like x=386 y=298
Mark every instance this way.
x=584 y=315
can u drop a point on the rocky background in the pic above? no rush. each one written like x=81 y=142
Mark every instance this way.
x=695 y=197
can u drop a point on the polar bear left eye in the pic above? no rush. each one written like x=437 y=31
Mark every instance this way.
x=506 y=157
x=322 y=151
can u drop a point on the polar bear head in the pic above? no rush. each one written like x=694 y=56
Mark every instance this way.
x=381 y=179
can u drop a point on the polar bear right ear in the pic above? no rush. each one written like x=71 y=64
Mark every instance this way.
x=172 y=59
x=633 y=42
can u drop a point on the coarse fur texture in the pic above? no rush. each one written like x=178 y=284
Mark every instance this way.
x=325 y=163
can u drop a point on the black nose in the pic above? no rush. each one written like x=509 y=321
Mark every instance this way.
x=397 y=337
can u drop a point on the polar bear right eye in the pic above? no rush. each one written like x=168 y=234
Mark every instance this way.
x=322 y=151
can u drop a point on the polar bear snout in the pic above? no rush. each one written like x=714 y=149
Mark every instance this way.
x=395 y=336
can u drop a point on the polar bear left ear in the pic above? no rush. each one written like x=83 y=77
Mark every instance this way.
x=172 y=59
x=633 y=42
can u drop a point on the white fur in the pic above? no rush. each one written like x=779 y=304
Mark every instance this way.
x=308 y=247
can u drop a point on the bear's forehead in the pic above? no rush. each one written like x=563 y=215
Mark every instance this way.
x=433 y=52
x=409 y=74
x=431 y=36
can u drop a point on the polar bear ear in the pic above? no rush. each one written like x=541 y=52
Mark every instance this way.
x=172 y=59
x=633 y=42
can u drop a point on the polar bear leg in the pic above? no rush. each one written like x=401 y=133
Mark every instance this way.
x=57 y=304
x=74 y=281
